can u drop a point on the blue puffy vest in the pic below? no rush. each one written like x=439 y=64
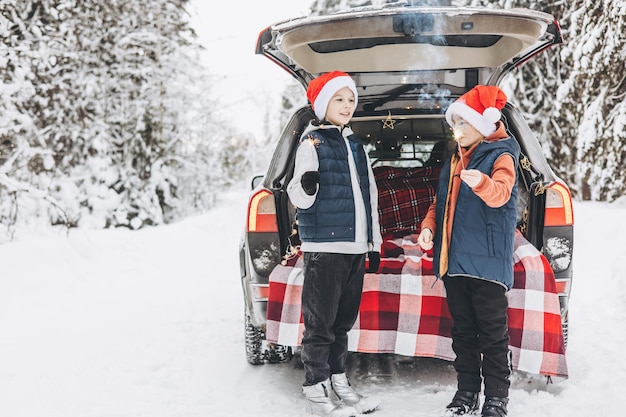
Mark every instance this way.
x=481 y=244
x=332 y=217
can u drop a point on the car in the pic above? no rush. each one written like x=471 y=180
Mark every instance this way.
x=409 y=63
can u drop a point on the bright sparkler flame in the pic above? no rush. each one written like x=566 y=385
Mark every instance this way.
x=457 y=138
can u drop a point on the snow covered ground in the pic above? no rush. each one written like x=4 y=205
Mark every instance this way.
x=150 y=324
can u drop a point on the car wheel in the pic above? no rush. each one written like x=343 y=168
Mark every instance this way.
x=254 y=343
x=279 y=354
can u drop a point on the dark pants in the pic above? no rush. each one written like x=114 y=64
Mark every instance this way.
x=331 y=296
x=480 y=335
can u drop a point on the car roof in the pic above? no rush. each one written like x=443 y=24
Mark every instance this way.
x=430 y=48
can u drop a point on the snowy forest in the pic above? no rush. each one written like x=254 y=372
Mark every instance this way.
x=105 y=115
x=106 y=109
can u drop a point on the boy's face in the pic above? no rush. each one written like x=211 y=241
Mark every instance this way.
x=341 y=107
x=465 y=133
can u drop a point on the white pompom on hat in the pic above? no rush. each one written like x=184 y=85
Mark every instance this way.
x=322 y=89
x=480 y=107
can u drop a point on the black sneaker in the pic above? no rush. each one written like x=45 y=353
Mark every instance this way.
x=495 y=407
x=464 y=402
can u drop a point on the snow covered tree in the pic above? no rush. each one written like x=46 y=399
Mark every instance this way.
x=592 y=97
x=27 y=122
x=99 y=103
x=154 y=85
x=320 y=7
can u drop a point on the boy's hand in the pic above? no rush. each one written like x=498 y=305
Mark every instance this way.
x=425 y=239
x=374 y=262
x=472 y=177
x=309 y=182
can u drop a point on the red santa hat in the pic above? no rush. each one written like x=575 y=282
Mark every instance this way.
x=480 y=107
x=322 y=89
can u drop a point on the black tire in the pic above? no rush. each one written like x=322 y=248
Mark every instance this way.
x=278 y=354
x=254 y=343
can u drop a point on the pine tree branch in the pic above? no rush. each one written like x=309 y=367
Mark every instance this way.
x=14 y=186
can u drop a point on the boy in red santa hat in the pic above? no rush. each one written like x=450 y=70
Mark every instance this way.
x=335 y=193
x=471 y=225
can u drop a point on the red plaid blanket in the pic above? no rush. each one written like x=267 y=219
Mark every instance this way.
x=404 y=309
x=404 y=195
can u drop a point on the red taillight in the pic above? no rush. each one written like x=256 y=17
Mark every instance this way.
x=562 y=286
x=261 y=292
x=559 y=210
x=262 y=212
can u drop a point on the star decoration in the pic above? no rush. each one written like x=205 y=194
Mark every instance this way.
x=389 y=122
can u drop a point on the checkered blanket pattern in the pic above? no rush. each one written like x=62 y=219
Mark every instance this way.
x=404 y=309
x=404 y=195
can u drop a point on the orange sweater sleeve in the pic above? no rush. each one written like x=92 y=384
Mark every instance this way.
x=495 y=191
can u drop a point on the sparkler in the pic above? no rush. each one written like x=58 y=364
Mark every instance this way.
x=457 y=135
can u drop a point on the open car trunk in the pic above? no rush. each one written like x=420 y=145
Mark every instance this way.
x=433 y=48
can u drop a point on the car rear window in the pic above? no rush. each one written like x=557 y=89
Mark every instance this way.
x=468 y=41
